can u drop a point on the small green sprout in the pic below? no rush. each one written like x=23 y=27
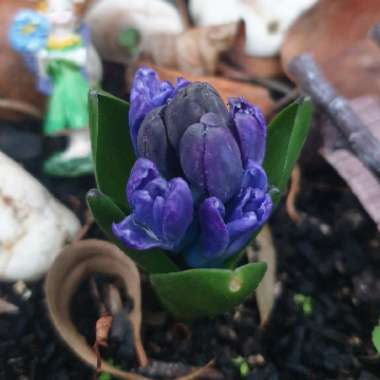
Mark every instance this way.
x=304 y=302
x=242 y=365
x=105 y=376
x=376 y=337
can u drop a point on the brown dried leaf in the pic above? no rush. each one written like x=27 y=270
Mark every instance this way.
x=262 y=67
x=7 y=307
x=335 y=32
x=355 y=71
x=103 y=325
x=76 y=263
x=254 y=94
x=196 y=51
x=12 y=66
x=364 y=184
x=265 y=293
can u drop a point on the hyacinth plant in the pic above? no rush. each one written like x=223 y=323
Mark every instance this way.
x=184 y=183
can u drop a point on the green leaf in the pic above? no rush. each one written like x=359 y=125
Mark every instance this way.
x=376 y=338
x=196 y=293
x=112 y=149
x=286 y=136
x=105 y=212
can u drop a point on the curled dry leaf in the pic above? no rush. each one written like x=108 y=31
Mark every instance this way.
x=336 y=33
x=75 y=264
x=294 y=189
x=267 y=21
x=262 y=67
x=254 y=94
x=196 y=51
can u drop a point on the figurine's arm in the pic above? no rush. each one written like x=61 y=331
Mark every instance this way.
x=42 y=57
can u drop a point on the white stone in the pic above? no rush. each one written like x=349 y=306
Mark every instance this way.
x=34 y=226
x=267 y=21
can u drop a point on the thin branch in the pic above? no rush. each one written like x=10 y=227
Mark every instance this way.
x=284 y=101
x=310 y=79
x=269 y=84
x=375 y=33
x=291 y=199
x=22 y=107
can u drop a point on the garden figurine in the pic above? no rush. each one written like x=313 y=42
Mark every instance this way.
x=65 y=65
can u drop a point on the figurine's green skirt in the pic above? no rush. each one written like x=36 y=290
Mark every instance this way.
x=68 y=102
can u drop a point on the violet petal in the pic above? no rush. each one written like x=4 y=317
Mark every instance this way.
x=143 y=171
x=213 y=239
x=133 y=235
x=187 y=108
x=249 y=128
x=147 y=93
x=210 y=158
x=178 y=211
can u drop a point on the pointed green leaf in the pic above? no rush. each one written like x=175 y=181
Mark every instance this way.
x=105 y=212
x=195 y=293
x=286 y=136
x=376 y=338
x=112 y=149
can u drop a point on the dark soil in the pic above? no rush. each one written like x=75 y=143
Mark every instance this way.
x=333 y=256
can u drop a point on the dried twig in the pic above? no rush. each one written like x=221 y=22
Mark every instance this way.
x=266 y=292
x=22 y=107
x=294 y=189
x=238 y=74
x=309 y=77
x=197 y=373
x=180 y=371
x=88 y=222
x=375 y=33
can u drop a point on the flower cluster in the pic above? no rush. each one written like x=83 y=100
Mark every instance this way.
x=198 y=186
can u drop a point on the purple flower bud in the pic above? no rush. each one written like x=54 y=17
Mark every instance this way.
x=162 y=211
x=152 y=143
x=249 y=129
x=210 y=158
x=147 y=93
x=187 y=131
x=187 y=108
x=224 y=231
